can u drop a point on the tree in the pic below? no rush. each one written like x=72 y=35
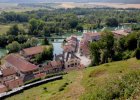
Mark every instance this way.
x=47 y=54
x=73 y=23
x=106 y=44
x=79 y=28
x=33 y=42
x=36 y=26
x=131 y=41
x=22 y=38
x=14 y=30
x=45 y=41
x=13 y=47
x=46 y=31
x=137 y=53
x=95 y=53
x=3 y=40
x=112 y=22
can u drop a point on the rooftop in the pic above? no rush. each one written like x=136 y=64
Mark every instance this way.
x=33 y=50
x=121 y=32
x=20 y=63
x=68 y=48
x=8 y=71
x=92 y=33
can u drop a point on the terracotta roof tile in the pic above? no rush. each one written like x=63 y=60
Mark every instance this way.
x=3 y=88
x=20 y=63
x=33 y=50
x=121 y=32
x=14 y=83
x=8 y=71
x=40 y=75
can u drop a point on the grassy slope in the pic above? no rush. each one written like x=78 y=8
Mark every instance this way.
x=109 y=76
x=94 y=79
x=38 y=93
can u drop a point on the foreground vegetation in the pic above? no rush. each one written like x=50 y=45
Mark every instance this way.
x=117 y=80
x=109 y=48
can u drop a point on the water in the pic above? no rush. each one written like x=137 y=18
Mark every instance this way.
x=3 y=52
x=57 y=48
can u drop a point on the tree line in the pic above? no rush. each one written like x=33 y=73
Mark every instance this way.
x=109 y=48
x=60 y=21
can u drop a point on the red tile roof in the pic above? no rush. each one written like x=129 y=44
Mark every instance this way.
x=73 y=38
x=8 y=71
x=121 y=32
x=52 y=65
x=14 y=83
x=91 y=36
x=55 y=63
x=68 y=48
x=33 y=50
x=40 y=75
x=3 y=88
x=20 y=63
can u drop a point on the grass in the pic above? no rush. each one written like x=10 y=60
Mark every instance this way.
x=5 y=27
x=111 y=81
x=117 y=80
x=45 y=91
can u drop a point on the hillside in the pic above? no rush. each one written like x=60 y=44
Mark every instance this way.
x=117 y=80
x=37 y=1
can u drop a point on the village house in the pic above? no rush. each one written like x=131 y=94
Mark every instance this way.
x=10 y=79
x=86 y=39
x=30 y=52
x=68 y=48
x=3 y=88
x=7 y=74
x=68 y=59
x=84 y=48
x=91 y=36
x=120 y=33
x=11 y=84
x=53 y=67
x=71 y=45
x=40 y=75
x=24 y=68
x=71 y=60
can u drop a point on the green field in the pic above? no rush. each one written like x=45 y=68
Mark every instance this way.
x=91 y=84
x=5 y=27
x=16 y=8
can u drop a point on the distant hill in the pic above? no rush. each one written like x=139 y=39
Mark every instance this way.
x=51 y=1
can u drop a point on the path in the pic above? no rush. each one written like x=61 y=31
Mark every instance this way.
x=84 y=60
x=75 y=89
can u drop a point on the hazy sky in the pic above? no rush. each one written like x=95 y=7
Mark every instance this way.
x=29 y=1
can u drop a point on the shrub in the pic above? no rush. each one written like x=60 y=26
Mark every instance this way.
x=31 y=81
x=55 y=74
x=137 y=53
x=63 y=86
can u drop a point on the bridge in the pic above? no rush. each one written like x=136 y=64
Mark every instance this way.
x=52 y=37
